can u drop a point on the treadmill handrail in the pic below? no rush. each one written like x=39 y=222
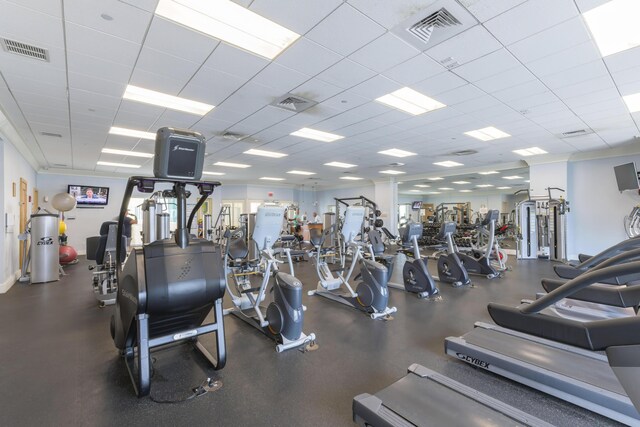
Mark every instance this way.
x=580 y=282
x=618 y=259
x=622 y=246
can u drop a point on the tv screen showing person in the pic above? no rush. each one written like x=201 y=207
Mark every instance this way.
x=86 y=195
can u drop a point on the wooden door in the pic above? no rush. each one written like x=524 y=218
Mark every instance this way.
x=23 y=215
x=34 y=203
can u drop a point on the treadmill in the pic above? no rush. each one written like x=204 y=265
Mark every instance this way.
x=425 y=398
x=595 y=365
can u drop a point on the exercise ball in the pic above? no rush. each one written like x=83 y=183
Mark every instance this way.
x=63 y=202
x=62 y=228
x=67 y=254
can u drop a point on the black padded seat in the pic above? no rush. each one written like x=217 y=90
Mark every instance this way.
x=107 y=243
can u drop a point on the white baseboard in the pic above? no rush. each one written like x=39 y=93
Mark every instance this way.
x=4 y=287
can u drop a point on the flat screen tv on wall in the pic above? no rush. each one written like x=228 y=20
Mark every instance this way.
x=626 y=177
x=87 y=195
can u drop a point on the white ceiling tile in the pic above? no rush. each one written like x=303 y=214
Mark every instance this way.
x=588 y=71
x=16 y=82
x=604 y=107
x=346 y=100
x=487 y=66
x=44 y=6
x=177 y=70
x=98 y=68
x=530 y=18
x=53 y=72
x=250 y=98
x=43 y=30
x=586 y=5
x=532 y=87
x=568 y=58
x=86 y=41
x=93 y=84
x=128 y=22
x=471 y=44
x=626 y=59
x=280 y=78
x=460 y=94
x=308 y=57
x=618 y=135
x=440 y=83
x=293 y=14
x=94 y=99
x=51 y=112
x=176 y=40
x=345 y=30
x=485 y=10
x=415 y=69
x=555 y=39
x=593 y=85
x=176 y=119
x=38 y=99
x=599 y=97
x=346 y=74
x=532 y=101
x=376 y=87
x=136 y=121
x=477 y=104
x=384 y=52
x=630 y=75
x=212 y=86
x=316 y=90
x=264 y=118
x=515 y=76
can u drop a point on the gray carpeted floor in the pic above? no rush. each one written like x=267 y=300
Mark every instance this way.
x=58 y=365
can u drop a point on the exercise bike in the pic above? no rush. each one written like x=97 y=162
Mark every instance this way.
x=371 y=295
x=282 y=319
x=416 y=278
x=478 y=262
x=450 y=268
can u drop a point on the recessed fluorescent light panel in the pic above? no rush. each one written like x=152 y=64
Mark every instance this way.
x=340 y=165
x=434 y=192
x=351 y=178
x=265 y=153
x=461 y=182
x=268 y=178
x=422 y=185
x=395 y=152
x=633 y=102
x=487 y=134
x=318 y=135
x=126 y=153
x=466 y=191
x=118 y=165
x=503 y=188
x=512 y=177
x=448 y=164
x=294 y=172
x=410 y=101
x=530 y=151
x=213 y=173
x=392 y=172
x=132 y=132
x=415 y=191
x=445 y=188
x=231 y=23
x=437 y=178
x=484 y=185
x=232 y=165
x=135 y=93
x=614 y=25
x=488 y=173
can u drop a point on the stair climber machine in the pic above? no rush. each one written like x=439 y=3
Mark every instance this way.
x=450 y=268
x=477 y=262
x=416 y=279
x=282 y=320
x=371 y=295
x=168 y=287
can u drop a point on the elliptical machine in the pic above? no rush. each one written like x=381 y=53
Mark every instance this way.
x=479 y=263
x=450 y=268
x=371 y=295
x=282 y=319
x=168 y=287
x=415 y=276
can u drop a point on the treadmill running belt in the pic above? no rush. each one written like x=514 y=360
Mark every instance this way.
x=591 y=371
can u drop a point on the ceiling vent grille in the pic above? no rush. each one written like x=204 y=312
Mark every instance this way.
x=23 y=49
x=51 y=134
x=234 y=136
x=464 y=153
x=423 y=29
x=293 y=103
x=574 y=133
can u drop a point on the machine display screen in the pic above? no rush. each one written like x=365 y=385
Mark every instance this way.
x=89 y=195
x=627 y=177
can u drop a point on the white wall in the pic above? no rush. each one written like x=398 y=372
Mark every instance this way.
x=597 y=207
x=15 y=167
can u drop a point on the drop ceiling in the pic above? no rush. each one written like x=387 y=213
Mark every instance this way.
x=528 y=68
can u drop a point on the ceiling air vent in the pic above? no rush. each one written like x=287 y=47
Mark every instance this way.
x=293 y=103
x=574 y=133
x=439 y=19
x=24 y=49
x=54 y=135
x=464 y=153
x=234 y=136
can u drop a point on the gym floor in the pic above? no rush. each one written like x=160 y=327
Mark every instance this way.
x=59 y=365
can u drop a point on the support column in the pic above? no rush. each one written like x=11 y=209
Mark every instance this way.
x=386 y=197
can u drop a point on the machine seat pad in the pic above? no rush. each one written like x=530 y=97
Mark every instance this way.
x=596 y=335
x=287 y=238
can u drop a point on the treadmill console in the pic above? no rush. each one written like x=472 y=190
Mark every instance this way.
x=409 y=230
x=179 y=154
